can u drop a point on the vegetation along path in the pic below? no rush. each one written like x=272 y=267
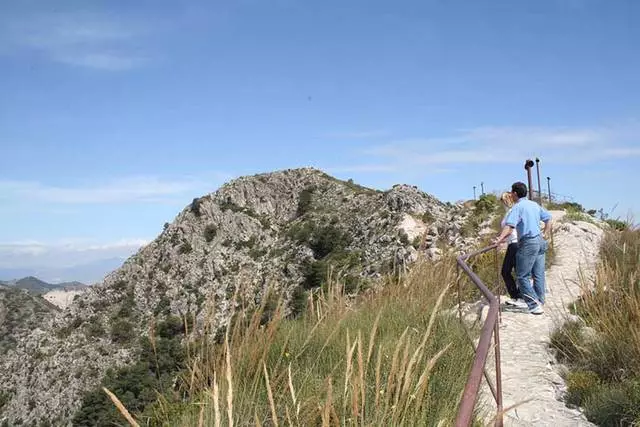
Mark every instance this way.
x=530 y=373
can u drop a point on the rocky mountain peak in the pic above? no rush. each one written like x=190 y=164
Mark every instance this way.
x=282 y=231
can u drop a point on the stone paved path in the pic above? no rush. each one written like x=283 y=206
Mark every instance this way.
x=529 y=370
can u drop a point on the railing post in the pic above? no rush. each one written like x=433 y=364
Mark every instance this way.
x=496 y=338
x=490 y=327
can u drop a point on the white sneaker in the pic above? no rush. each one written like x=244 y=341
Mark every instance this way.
x=518 y=303
x=536 y=310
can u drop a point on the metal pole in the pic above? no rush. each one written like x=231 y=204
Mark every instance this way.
x=482 y=187
x=474 y=192
x=496 y=338
x=539 y=187
x=549 y=188
x=528 y=165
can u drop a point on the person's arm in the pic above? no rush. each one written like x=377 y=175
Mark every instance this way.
x=506 y=231
x=545 y=217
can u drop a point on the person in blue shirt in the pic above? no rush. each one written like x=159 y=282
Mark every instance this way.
x=525 y=217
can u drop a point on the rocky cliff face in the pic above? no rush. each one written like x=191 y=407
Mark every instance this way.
x=282 y=230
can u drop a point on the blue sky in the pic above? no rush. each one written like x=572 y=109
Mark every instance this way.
x=114 y=115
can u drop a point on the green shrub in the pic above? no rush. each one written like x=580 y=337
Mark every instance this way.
x=5 y=397
x=94 y=328
x=327 y=239
x=298 y=302
x=196 y=205
x=315 y=273
x=566 y=206
x=486 y=204
x=428 y=218
x=305 y=200
x=617 y=224
x=122 y=331
x=578 y=216
x=403 y=237
x=611 y=307
x=249 y=243
x=137 y=386
x=210 y=232
x=185 y=248
x=581 y=385
x=614 y=405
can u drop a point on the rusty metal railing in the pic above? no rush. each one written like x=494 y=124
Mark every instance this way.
x=489 y=329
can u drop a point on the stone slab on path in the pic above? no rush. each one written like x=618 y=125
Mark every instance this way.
x=530 y=372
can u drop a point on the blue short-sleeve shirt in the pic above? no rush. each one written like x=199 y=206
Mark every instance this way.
x=525 y=217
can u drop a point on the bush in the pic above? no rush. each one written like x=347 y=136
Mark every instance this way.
x=614 y=405
x=196 y=205
x=611 y=307
x=315 y=273
x=122 y=331
x=210 y=232
x=578 y=216
x=94 y=328
x=428 y=218
x=403 y=237
x=566 y=206
x=5 y=397
x=137 y=386
x=185 y=248
x=249 y=243
x=304 y=201
x=327 y=239
x=487 y=204
x=581 y=385
x=618 y=225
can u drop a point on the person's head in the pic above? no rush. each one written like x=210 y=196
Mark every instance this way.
x=507 y=199
x=519 y=189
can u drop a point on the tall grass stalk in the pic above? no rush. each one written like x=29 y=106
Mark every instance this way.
x=386 y=358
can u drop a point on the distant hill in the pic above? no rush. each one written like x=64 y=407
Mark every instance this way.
x=37 y=286
x=91 y=272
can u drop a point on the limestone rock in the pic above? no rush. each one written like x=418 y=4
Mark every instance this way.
x=253 y=233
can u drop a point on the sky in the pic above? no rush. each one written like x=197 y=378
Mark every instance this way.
x=115 y=115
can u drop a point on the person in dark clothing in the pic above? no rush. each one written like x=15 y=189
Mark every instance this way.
x=509 y=261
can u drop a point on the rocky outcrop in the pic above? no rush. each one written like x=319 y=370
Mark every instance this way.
x=280 y=231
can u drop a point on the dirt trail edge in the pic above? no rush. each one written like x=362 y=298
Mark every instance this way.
x=530 y=372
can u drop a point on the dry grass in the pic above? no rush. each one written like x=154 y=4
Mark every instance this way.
x=388 y=358
x=605 y=359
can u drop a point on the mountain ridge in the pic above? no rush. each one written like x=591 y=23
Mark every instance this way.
x=38 y=286
x=282 y=231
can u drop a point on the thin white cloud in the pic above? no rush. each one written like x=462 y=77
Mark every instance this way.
x=65 y=260
x=36 y=248
x=125 y=190
x=85 y=40
x=493 y=144
x=101 y=60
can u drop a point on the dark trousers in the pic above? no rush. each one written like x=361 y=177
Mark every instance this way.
x=508 y=265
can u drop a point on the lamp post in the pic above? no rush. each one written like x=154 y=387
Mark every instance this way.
x=528 y=165
x=549 y=188
x=539 y=187
x=474 y=192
